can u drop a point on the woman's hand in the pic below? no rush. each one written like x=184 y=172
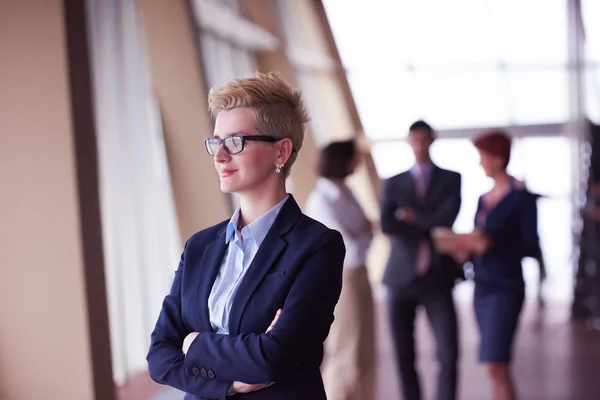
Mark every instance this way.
x=277 y=315
x=187 y=342
x=241 y=387
x=460 y=253
x=478 y=242
x=474 y=243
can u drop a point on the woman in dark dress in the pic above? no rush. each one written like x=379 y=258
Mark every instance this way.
x=505 y=233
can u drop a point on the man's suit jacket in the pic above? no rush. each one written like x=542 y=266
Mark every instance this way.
x=297 y=268
x=438 y=208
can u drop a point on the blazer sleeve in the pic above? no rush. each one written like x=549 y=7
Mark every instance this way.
x=389 y=223
x=166 y=359
x=446 y=213
x=304 y=324
x=517 y=233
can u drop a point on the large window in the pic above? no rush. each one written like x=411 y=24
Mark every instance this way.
x=460 y=64
x=227 y=41
x=467 y=65
x=139 y=225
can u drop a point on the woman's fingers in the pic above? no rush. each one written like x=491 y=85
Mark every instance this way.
x=277 y=315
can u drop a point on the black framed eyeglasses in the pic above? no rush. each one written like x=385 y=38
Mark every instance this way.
x=235 y=144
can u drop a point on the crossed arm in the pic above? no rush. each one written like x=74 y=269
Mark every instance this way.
x=237 y=386
x=251 y=358
x=407 y=221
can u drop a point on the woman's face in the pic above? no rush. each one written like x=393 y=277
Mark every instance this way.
x=254 y=167
x=491 y=164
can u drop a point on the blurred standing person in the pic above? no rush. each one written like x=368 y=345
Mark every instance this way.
x=413 y=203
x=349 y=369
x=505 y=233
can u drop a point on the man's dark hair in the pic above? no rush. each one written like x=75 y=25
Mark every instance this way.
x=335 y=158
x=421 y=125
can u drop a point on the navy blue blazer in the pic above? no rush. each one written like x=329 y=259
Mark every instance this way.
x=512 y=226
x=297 y=268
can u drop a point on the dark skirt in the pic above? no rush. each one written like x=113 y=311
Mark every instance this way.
x=497 y=312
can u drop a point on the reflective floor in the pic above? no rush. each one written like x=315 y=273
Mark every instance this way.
x=555 y=359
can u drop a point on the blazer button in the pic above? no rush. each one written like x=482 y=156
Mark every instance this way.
x=203 y=372
x=196 y=371
x=211 y=374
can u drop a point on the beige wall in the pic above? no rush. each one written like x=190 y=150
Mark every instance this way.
x=178 y=80
x=44 y=338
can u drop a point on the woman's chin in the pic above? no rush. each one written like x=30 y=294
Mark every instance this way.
x=226 y=187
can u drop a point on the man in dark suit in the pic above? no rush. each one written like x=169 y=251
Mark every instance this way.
x=414 y=202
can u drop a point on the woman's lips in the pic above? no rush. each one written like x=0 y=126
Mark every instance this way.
x=227 y=172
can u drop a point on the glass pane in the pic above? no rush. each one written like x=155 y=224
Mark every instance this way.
x=386 y=103
x=391 y=158
x=461 y=156
x=592 y=94
x=463 y=99
x=532 y=31
x=539 y=96
x=590 y=10
x=544 y=164
x=440 y=32
x=208 y=46
x=365 y=32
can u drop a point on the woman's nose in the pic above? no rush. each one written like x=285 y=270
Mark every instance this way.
x=221 y=155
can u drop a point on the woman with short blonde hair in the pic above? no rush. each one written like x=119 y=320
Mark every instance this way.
x=253 y=298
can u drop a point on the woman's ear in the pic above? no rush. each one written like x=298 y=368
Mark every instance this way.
x=284 y=151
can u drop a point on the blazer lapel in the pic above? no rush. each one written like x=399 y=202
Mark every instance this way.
x=268 y=253
x=209 y=266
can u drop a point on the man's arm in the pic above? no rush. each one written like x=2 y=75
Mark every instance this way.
x=305 y=322
x=446 y=213
x=165 y=358
x=390 y=223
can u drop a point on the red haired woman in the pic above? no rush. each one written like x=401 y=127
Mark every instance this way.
x=505 y=233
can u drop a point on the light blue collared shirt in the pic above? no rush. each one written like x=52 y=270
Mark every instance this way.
x=243 y=246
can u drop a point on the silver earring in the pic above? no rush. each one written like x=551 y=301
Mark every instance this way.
x=278 y=168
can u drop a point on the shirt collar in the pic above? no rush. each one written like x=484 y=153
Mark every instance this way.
x=258 y=228
x=425 y=168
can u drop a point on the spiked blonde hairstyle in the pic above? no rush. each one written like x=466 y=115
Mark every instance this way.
x=280 y=111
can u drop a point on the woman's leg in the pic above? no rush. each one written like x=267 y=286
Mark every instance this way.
x=344 y=364
x=366 y=345
x=497 y=316
x=502 y=384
